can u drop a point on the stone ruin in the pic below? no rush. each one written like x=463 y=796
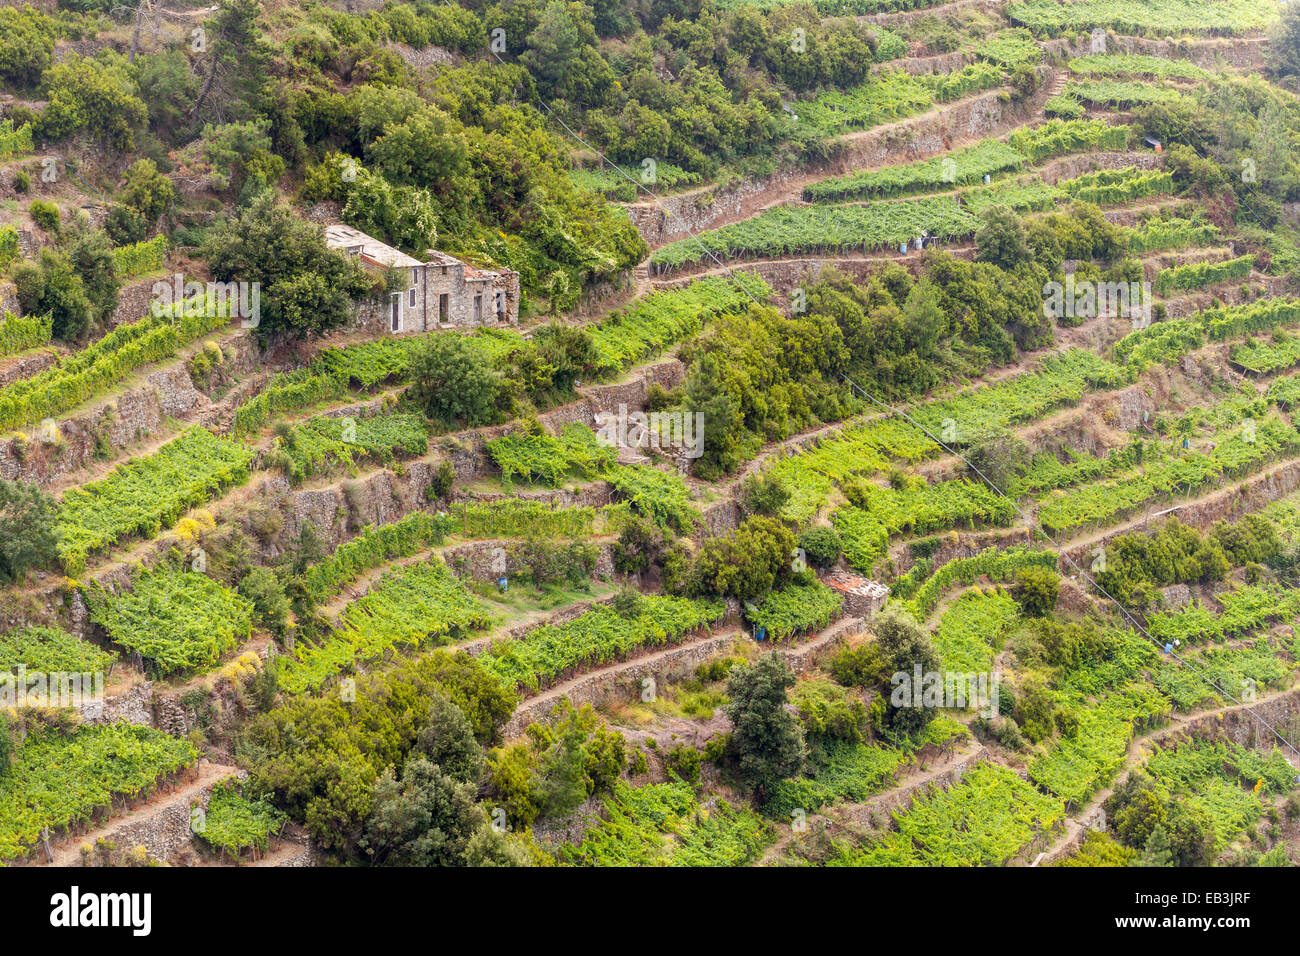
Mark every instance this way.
x=862 y=596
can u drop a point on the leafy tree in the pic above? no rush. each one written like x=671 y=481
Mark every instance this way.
x=26 y=45
x=569 y=354
x=829 y=711
x=566 y=759
x=1001 y=238
x=724 y=425
x=1158 y=851
x=144 y=197
x=1035 y=710
x=428 y=149
x=628 y=603
x=403 y=216
x=237 y=59
x=1191 y=834
x=306 y=287
x=640 y=545
x=453 y=383
x=96 y=96
x=1135 y=809
x=767 y=741
x=91 y=257
x=903 y=646
x=238 y=157
x=168 y=88
x=861 y=666
x=27 y=539
x=425 y=819
x=147 y=190
x=448 y=740
x=1285 y=41
x=510 y=782
x=483 y=700
x=320 y=758
x=763 y=494
x=999 y=459
x=492 y=847
x=45 y=214
x=562 y=55
x=52 y=285
x=746 y=564
x=822 y=545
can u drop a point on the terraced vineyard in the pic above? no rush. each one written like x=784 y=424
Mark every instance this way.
x=808 y=498
x=810 y=230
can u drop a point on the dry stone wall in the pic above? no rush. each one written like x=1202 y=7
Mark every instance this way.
x=133 y=302
x=481 y=561
x=1246 y=52
x=135 y=706
x=132 y=416
x=19 y=367
x=986 y=114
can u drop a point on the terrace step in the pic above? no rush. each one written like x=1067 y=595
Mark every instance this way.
x=161 y=825
x=603 y=683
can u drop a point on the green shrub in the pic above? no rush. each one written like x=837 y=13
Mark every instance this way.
x=683 y=762
x=822 y=545
x=44 y=214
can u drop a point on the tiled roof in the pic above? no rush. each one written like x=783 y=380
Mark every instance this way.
x=855 y=584
x=339 y=236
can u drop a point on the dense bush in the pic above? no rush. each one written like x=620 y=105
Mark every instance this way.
x=319 y=757
x=306 y=288
x=822 y=545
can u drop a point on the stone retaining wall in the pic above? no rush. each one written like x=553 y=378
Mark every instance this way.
x=986 y=114
x=132 y=416
x=135 y=706
x=1244 y=52
x=1243 y=497
x=25 y=366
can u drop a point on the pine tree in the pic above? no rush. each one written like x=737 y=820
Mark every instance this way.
x=1158 y=850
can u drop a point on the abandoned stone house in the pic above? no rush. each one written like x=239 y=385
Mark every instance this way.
x=441 y=293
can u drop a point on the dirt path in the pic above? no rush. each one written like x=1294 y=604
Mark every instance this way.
x=687 y=274
x=553 y=693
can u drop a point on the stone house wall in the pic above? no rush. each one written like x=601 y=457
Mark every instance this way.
x=443 y=296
